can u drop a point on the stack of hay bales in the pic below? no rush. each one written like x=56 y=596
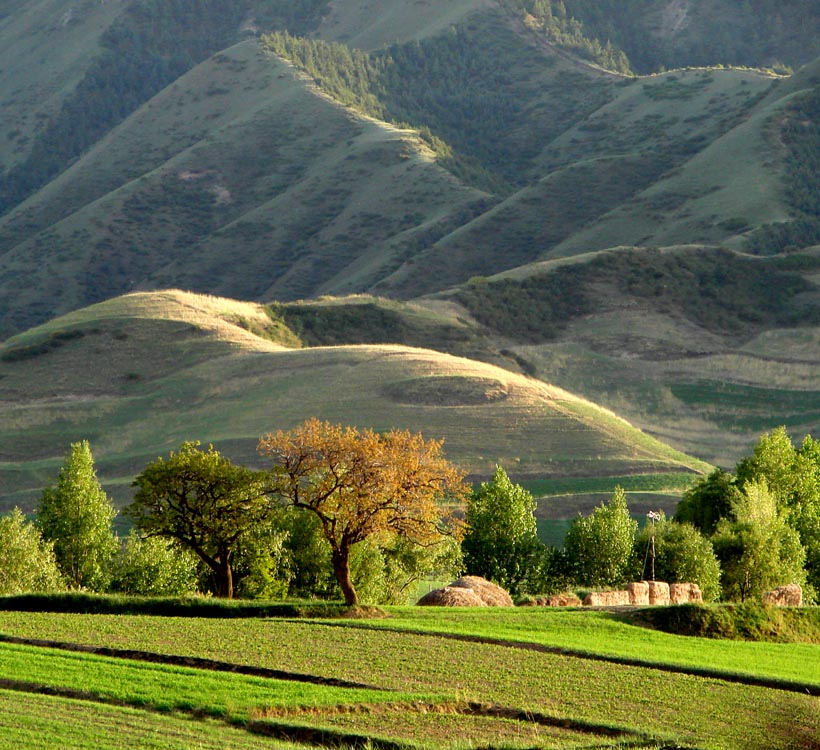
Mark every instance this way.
x=468 y=591
x=554 y=600
x=645 y=593
x=451 y=596
x=685 y=593
x=790 y=595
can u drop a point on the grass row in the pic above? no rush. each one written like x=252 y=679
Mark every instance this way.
x=631 y=483
x=30 y=720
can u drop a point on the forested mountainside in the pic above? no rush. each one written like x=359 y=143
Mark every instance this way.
x=621 y=199
x=661 y=35
x=142 y=146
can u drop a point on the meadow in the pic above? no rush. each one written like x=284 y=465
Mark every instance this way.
x=407 y=678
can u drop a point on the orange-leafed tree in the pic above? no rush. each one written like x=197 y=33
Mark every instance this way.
x=363 y=484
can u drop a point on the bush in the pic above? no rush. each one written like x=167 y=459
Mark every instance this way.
x=27 y=562
x=154 y=567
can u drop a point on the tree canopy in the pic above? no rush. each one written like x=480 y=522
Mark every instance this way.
x=364 y=485
x=682 y=554
x=757 y=549
x=205 y=502
x=501 y=542
x=27 y=562
x=599 y=545
x=76 y=517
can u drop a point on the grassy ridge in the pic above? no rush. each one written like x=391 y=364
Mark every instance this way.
x=181 y=366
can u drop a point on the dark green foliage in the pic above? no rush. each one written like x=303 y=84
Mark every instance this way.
x=716 y=289
x=751 y=622
x=753 y=33
x=707 y=502
x=53 y=341
x=458 y=90
x=799 y=130
x=202 y=501
x=147 y=48
x=531 y=310
x=365 y=323
x=551 y=18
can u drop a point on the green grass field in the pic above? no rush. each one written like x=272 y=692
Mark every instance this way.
x=525 y=678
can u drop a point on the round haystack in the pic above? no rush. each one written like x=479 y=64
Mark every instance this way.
x=491 y=594
x=451 y=597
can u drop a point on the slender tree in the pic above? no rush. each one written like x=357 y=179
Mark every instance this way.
x=598 y=547
x=75 y=516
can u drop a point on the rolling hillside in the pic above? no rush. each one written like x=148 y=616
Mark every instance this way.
x=514 y=198
x=139 y=374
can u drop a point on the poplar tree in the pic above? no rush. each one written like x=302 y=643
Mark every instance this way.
x=75 y=516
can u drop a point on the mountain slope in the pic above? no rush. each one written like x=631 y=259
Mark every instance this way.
x=139 y=374
x=465 y=155
x=199 y=205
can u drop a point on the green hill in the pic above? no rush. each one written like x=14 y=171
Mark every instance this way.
x=492 y=176
x=139 y=374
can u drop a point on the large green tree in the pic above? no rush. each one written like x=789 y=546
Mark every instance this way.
x=27 y=562
x=76 y=516
x=793 y=477
x=708 y=501
x=757 y=549
x=363 y=485
x=501 y=541
x=598 y=547
x=206 y=503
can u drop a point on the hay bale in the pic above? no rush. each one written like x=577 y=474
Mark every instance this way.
x=790 y=595
x=685 y=593
x=451 y=597
x=553 y=600
x=491 y=594
x=606 y=599
x=638 y=592
x=562 y=600
x=658 y=593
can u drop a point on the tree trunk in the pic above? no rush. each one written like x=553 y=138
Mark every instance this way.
x=224 y=579
x=341 y=569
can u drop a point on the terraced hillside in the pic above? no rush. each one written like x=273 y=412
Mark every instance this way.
x=139 y=374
